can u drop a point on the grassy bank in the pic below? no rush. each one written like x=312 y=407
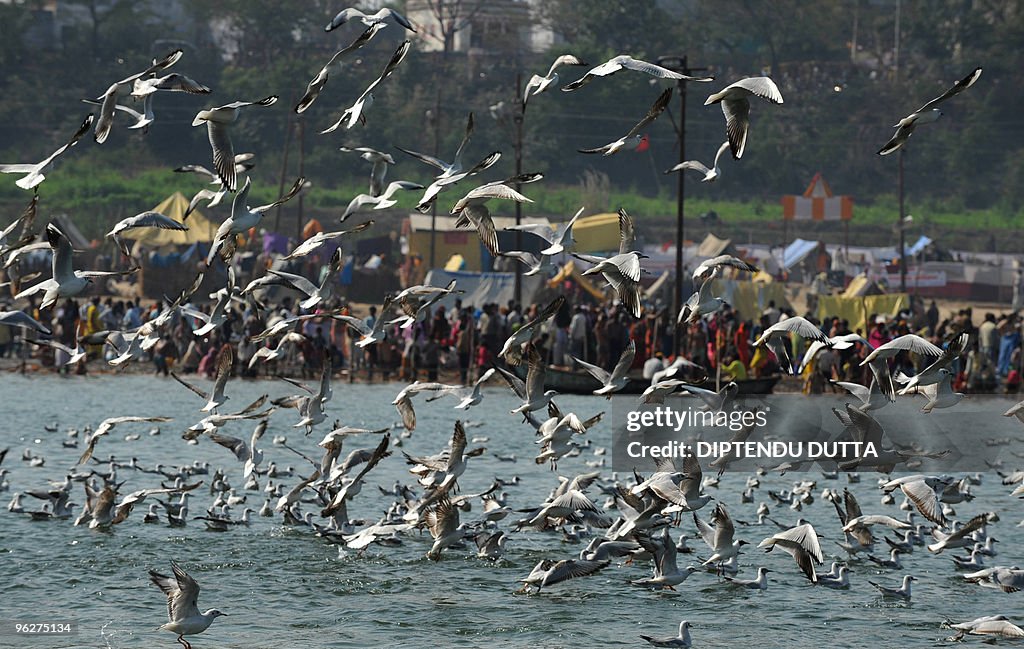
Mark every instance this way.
x=95 y=195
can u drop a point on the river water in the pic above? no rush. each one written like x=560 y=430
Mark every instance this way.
x=284 y=587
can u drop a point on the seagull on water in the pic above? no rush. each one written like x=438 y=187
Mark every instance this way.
x=904 y=591
x=681 y=640
x=735 y=100
x=183 y=613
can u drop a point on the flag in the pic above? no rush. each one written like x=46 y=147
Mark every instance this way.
x=643 y=144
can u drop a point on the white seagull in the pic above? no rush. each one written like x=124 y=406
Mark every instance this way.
x=681 y=640
x=538 y=84
x=354 y=113
x=318 y=82
x=34 y=172
x=472 y=208
x=926 y=114
x=183 y=613
x=634 y=136
x=218 y=122
x=626 y=62
x=735 y=100
x=710 y=175
x=66 y=281
x=558 y=238
x=244 y=217
x=381 y=202
x=369 y=20
x=618 y=378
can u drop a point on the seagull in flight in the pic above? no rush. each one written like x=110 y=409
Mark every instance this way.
x=634 y=135
x=380 y=162
x=183 y=613
x=472 y=208
x=710 y=175
x=926 y=114
x=557 y=238
x=244 y=217
x=354 y=113
x=218 y=122
x=381 y=202
x=314 y=87
x=66 y=281
x=34 y=172
x=626 y=62
x=379 y=18
x=618 y=378
x=143 y=220
x=735 y=100
x=538 y=84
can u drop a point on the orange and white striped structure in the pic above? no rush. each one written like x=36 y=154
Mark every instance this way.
x=817 y=204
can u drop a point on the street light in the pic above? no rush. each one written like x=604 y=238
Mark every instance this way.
x=679 y=64
x=502 y=113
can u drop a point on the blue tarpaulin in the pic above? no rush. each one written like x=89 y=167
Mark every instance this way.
x=796 y=252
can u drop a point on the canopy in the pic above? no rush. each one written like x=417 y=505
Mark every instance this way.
x=200 y=229
x=713 y=246
x=856 y=310
x=597 y=233
x=571 y=271
x=797 y=251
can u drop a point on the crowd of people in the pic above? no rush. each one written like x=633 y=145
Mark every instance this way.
x=463 y=340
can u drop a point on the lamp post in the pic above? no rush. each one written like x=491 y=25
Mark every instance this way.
x=679 y=64
x=901 y=226
x=506 y=116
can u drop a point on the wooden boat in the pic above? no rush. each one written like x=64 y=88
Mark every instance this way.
x=566 y=381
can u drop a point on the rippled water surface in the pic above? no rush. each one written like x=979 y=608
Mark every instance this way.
x=283 y=587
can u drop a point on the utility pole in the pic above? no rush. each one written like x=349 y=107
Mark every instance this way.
x=679 y=64
x=302 y=170
x=437 y=151
x=518 y=119
x=902 y=226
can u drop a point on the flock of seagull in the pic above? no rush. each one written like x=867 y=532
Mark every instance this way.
x=634 y=524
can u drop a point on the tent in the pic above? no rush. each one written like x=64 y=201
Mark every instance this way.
x=597 y=233
x=861 y=286
x=856 y=310
x=481 y=288
x=750 y=298
x=797 y=252
x=712 y=246
x=571 y=271
x=200 y=229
